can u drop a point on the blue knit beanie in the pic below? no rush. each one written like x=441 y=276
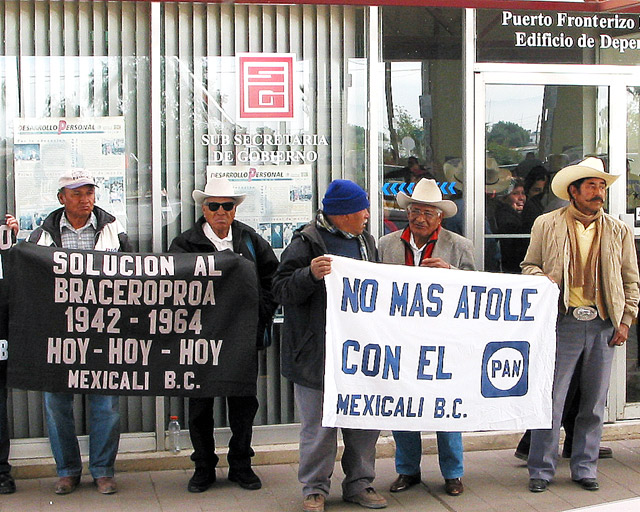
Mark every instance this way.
x=344 y=197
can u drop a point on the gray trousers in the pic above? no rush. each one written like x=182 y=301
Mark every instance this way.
x=586 y=344
x=319 y=446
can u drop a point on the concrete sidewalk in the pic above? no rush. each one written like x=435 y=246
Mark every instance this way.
x=494 y=481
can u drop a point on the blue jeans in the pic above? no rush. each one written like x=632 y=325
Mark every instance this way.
x=409 y=453
x=104 y=434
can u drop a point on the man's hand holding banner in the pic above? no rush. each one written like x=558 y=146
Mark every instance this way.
x=431 y=349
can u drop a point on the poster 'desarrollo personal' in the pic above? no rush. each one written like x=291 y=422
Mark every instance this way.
x=132 y=324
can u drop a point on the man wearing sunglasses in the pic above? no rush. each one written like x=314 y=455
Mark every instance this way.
x=217 y=230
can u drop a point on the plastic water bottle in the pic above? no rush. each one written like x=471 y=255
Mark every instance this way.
x=174 y=435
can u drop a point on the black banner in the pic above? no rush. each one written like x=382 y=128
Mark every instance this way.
x=132 y=324
x=5 y=245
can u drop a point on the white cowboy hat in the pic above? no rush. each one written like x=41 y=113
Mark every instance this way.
x=217 y=187
x=427 y=192
x=590 y=167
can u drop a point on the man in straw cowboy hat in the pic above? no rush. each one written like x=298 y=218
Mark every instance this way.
x=426 y=243
x=592 y=258
x=217 y=230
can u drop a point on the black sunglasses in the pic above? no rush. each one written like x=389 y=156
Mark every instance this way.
x=227 y=207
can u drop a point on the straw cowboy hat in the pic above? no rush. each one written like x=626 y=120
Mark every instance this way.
x=217 y=187
x=496 y=180
x=427 y=192
x=590 y=167
x=454 y=172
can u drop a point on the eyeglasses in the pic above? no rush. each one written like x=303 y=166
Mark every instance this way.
x=428 y=214
x=227 y=207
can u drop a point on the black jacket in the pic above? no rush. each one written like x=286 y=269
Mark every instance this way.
x=304 y=300
x=194 y=240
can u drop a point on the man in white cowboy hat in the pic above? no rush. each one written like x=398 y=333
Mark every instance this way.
x=217 y=230
x=592 y=258
x=426 y=243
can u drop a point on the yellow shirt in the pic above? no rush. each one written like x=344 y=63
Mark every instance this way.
x=584 y=237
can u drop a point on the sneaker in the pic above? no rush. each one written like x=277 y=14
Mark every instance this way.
x=202 y=479
x=246 y=478
x=7 y=484
x=367 y=498
x=313 y=503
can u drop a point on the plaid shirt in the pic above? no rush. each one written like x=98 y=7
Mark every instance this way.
x=83 y=238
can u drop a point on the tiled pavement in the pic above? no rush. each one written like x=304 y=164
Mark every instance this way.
x=494 y=481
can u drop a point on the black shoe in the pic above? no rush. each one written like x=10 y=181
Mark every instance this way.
x=403 y=482
x=202 y=479
x=7 y=484
x=519 y=454
x=603 y=453
x=538 y=484
x=588 y=484
x=245 y=477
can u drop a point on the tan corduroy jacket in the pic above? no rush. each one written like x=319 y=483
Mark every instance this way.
x=548 y=254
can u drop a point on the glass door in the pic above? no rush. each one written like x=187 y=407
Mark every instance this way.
x=530 y=121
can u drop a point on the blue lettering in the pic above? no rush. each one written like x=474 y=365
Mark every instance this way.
x=456 y=403
x=354 y=405
x=424 y=362
x=409 y=404
x=440 y=373
x=399 y=407
x=526 y=304
x=391 y=361
x=478 y=290
x=343 y=404
x=497 y=293
x=399 y=299
x=463 y=304
x=372 y=347
x=349 y=370
x=439 y=409
x=417 y=306
x=350 y=294
x=385 y=412
x=373 y=286
x=496 y=365
x=368 y=405
x=434 y=300
x=507 y=310
x=517 y=368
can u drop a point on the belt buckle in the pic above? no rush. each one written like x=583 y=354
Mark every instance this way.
x=585 y=313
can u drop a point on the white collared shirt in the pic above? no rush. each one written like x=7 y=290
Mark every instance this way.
x=417 y=251
x=221 y=244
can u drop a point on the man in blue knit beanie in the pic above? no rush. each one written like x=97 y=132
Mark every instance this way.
x=299 y=285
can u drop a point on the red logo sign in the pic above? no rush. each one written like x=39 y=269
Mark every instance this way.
x=265 y=85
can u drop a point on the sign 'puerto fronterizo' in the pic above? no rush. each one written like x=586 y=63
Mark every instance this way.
x=558 y=30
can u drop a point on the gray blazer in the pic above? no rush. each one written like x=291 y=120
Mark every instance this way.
x=456 y=250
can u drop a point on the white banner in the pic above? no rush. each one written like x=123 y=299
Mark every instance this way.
x=412 y=348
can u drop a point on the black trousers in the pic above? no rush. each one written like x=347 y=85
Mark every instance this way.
x=241 y=411
x=5 y=467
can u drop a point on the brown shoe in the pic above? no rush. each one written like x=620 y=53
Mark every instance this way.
x=453 y=486
x=67 y=484
x=313 y=503
x=105 y=485
x=367 y=498
x=403 y=482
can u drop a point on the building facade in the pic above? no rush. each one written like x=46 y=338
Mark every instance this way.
x=479 y=93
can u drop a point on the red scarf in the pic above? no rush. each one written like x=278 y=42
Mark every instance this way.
x=428 y=247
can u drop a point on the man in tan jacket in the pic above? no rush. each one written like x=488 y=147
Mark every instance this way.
x=591 y=256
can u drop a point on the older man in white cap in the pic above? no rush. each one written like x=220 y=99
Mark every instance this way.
x=426 y=243
x=591 y=256
x=79 y=224
x=217 y=230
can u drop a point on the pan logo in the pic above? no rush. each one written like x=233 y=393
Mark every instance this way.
x=505 y=369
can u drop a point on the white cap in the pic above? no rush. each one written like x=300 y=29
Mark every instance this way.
x=75 y=177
